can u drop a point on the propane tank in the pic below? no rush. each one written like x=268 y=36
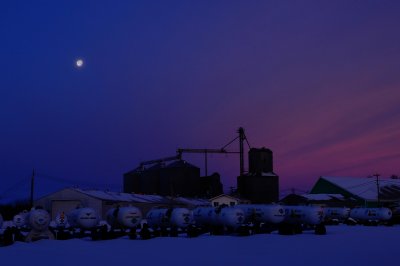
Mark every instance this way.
x=337 y=213
x=84 y=218
x=20 y=220
x=181 y=217
x=263 y=213
x=38 y=219
x=166 y=217
x=371 y=214
x=309 y=215
x=158 y=217
x=126 y=217
x=204 y=216
x=230 y=217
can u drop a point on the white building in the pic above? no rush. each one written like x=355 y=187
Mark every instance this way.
x=68 y=199
x=224 y=199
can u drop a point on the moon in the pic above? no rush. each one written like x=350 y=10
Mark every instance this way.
x=79 y=63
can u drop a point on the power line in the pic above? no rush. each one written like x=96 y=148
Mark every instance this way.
x=13 y=187
x=360 y=185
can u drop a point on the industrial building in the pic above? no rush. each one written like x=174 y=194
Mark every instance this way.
x=260 y=184
x=68 y=199
x=363 y=190
x=178 y=178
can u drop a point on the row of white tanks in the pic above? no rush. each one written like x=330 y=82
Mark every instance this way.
x=231 y=218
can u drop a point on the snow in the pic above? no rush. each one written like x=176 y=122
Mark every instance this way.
x=131 y=197
x=343 y=245
x=323 y=196
x=117 y=196
x=193 y=202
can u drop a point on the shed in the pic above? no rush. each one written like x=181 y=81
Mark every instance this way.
x=224 y=199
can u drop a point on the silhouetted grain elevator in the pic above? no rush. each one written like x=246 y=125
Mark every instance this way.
x=260 y=184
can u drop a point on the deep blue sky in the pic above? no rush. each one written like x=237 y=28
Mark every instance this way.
x=316 y=81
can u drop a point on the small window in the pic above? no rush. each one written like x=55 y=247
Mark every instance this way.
x=216 y=204
x=232 y=203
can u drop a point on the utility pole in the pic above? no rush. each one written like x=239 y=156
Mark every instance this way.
x=32 y=187
x=377 y=187
x=241 y=150
x=205 y=161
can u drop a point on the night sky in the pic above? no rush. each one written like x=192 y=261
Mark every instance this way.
x=316 y=81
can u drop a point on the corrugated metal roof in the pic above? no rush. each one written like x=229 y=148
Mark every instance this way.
x=262 y=174
x=194 y=202
x=323 y=196
x=128 y=197
x=156 y=166
x=366 y=188
x=136 y=170
x=181 y=164
x=139 y=198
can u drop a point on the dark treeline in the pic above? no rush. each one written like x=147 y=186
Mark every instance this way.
x=10 y=209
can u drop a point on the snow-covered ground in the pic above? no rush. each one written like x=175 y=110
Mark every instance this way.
x=343 y=245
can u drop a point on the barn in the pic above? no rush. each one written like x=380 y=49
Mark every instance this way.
x=363 y=190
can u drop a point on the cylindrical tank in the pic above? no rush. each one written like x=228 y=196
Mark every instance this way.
x=263 y=213
x=38 y=219
x=309 y=215
x=371 y=214
x=166 y=217
x=158 y=217
x=204 y=216
x=85 y=218
x=337 y=213
x=231 y=217
x=125 y=217
x=181 y=217
x=20 y=219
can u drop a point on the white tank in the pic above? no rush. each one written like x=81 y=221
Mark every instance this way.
x=61 y=219
x=262 y=213
x=338 y=213
x=371 y=214
x=204 y=216
x=232 y=217
x=85 y=218
x=181 y=217
x=310 y=215
x=158 y=218
x=126 y=217
x=165 y=217
x=20 y=219
x=38 y=219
